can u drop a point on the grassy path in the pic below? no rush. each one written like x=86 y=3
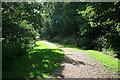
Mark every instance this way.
x=48 y=60
x=109 y=62
x=79 y=64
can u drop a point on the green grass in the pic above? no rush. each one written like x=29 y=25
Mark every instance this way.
x=108 y=61
x=67 y=46
x=40 y=62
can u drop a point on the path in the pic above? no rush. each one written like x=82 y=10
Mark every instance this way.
x=78 y=64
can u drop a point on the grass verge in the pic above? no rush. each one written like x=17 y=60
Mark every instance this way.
x=109 y=62
x=39 y=63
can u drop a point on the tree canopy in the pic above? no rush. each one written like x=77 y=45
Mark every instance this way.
x=89 y=25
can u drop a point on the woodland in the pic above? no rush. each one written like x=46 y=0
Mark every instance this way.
x=86 y=25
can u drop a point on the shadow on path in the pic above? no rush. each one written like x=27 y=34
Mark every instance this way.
x=72 y=61
x=68 y=60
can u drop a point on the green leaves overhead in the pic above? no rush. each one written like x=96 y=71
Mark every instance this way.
x=20 y=22
x=93 y=25
x=90 y=23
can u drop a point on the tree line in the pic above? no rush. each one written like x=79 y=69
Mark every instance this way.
x=93 y=25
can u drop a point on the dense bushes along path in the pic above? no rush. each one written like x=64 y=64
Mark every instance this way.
x=78 y=64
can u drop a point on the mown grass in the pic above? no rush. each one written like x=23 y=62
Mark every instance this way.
x=109 y=62
x=39 y=63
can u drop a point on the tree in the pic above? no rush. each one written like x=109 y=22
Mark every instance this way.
x=20 y=21
x=105 y=17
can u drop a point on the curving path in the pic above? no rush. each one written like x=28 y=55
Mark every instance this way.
x=78 y=64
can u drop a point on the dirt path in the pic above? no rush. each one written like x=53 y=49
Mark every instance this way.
x=78 y=64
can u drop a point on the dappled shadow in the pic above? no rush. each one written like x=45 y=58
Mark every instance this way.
x=72 y=61
x=38 y=64
x=58 y=72
x=45 y=50
x=43 y=61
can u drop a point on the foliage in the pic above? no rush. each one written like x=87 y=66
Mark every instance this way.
x=19 y=21
x=81 y=24
x=99 y=15
x=38 y=63
x=92 y=25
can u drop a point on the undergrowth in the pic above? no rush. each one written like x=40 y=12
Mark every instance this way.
x=39 y=63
